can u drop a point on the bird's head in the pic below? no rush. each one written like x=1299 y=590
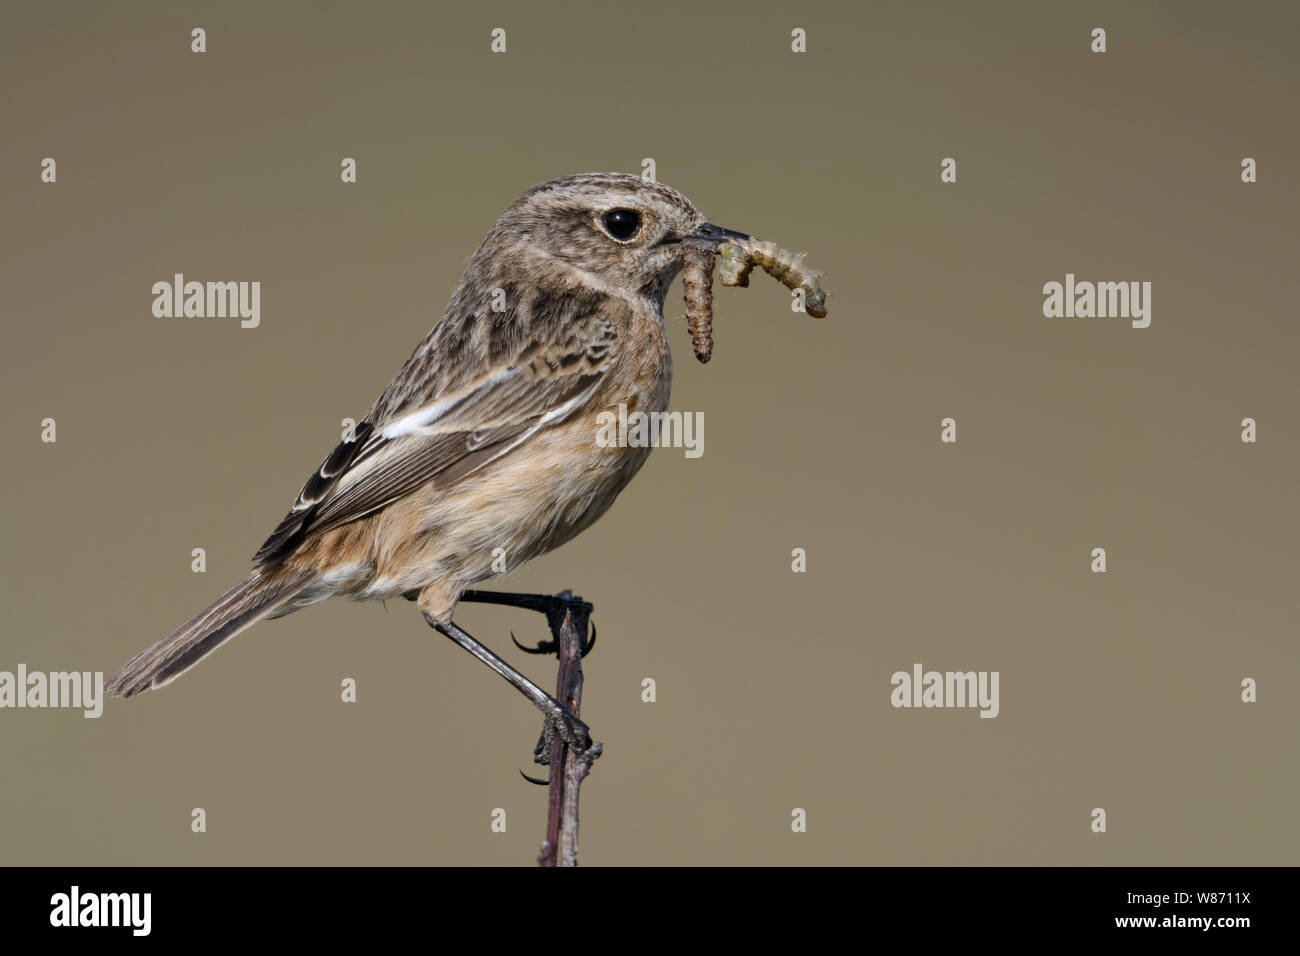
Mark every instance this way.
x=610 y=231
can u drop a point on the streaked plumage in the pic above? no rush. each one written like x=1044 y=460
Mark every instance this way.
x=486 y=437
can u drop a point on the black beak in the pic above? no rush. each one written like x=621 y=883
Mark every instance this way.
x=716 y=234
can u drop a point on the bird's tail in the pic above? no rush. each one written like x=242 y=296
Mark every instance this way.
x=261 y=593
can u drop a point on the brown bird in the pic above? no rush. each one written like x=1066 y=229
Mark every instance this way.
x=485 y=442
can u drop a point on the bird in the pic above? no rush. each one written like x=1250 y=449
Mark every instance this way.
x=482 y=452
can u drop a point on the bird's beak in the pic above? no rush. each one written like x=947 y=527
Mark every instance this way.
x=716 y=234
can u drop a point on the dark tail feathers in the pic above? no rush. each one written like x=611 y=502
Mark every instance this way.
x=258 y=595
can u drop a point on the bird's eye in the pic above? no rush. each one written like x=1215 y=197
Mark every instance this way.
x=622 y=224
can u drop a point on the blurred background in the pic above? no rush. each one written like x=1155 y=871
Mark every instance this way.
x=1118 y=690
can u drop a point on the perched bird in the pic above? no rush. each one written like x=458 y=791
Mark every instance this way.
x=487 y=437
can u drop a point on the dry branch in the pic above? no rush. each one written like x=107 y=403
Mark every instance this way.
x=568 y=768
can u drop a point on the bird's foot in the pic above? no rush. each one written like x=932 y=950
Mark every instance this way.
x=555 y=606
x=558 y=720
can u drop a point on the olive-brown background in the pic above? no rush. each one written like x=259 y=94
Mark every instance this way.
x=1118 y=691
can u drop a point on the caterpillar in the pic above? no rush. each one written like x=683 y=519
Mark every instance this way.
x=735 y=259
x=733 y=266
x=739 y=256
x=697 y=284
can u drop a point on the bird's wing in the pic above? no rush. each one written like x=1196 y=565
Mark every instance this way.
x=449 y=427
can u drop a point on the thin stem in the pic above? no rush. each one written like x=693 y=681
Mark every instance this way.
x=568 y=768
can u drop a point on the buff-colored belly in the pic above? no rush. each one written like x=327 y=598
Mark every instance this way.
x=529 y=501
x=442 y=539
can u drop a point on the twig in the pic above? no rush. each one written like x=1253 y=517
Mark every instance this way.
x=568 y=768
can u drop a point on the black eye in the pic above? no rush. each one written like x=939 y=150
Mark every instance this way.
x=622 y=224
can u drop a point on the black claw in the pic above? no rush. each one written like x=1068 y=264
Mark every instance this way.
x=544 y=647
x=534 y=780
x=553 y=606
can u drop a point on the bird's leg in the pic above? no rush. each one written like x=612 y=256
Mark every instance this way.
x=556 y=717
x=553 y=606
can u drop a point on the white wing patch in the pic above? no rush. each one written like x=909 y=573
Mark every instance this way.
x=420 y=421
